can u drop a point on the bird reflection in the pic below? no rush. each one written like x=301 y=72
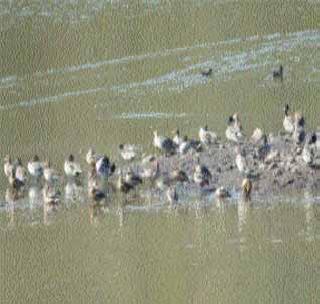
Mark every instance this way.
x=243 y=209
x=11 y=197
x=309 y=216
x=73 y=191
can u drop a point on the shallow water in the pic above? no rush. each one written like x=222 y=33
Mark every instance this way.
x=98 y=73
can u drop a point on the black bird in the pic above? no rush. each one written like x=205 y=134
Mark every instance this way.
x=206 y=73
x=278 y=74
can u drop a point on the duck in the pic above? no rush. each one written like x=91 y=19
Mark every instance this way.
x=8 y=166
x=246 y=188
x=50 y=174
x=177 y=139
x=132 y=178
x=207 y=137
x=222 y=192
x=128 y=152
x=164 y=144
x=241 y=160
x=123 y=186
x=278 y=74
x=71 y=168
x=184 y=146
x=207 y=73
x=234 y=130
x=35 y=167
x=51 y=196
x=299 y=132
x=172 y=195
x=202 y=175
x=104 y=168
x=20 y=171
x=288 y=121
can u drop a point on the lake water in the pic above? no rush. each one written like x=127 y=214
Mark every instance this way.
x=75 y=74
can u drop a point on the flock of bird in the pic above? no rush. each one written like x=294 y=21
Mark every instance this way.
x=100 y=168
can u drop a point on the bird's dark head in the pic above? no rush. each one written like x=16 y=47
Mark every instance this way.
x=71 y=158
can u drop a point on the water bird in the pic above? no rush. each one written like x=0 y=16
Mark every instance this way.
x=185 y=145
x=207 y=137
x=20 y=171
x=8 y=166
x=177 y=139
x=299 y=132
x=35 y=167
x=71 y=168
x=246 y=188
x=241 y=160
x=104 y=167
x=288 y=121
x=207 y=73
x=278 y=74
x=202 y=175
x=15 y=182
x=234 y=129
x=172 y=195
x=128 y=152
x=308 y=149
x=164 y=144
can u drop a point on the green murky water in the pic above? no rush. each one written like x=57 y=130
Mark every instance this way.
x=81 y=73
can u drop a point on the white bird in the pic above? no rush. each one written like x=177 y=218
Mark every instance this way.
x=128 y=152
x=177 y=139
x=184 y=146
x=164 y=144
x=71 y=168
x=240 y=160
x=8 y=166
x=207 y=137
x=288 y=121
x=234 y=129
x=35 y=167
x=21 y=172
